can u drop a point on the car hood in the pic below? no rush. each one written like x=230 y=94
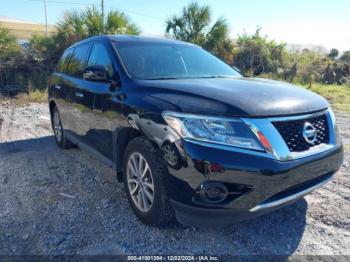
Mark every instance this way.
x=245 y=97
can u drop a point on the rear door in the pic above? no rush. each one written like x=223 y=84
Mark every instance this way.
x=60 y=92
x=79 y=99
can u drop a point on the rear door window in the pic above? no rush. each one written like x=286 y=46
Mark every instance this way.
x=77 y=62
x=64 y=60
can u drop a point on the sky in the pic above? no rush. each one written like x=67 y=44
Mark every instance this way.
x=305 y=22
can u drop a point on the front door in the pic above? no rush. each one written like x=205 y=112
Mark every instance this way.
x=101 y=118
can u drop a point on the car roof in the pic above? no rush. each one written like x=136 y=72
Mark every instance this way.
x=133 y=39
x=136 y=38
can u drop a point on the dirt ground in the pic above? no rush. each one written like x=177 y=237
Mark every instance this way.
x=65 y=202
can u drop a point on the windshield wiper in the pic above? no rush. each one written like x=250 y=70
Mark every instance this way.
x=189 y=77
x=162 y=78
x=214 y=76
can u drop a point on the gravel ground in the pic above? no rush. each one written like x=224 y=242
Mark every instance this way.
x=65 y=202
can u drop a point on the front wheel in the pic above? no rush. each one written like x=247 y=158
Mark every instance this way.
x=145 y=177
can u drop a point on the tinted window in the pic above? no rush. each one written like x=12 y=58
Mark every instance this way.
x=100 y=56
x=78 y=60
x=164 y=60
x=64 y=60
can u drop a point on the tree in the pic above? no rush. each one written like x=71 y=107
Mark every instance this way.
x=8 y=44
x=90 y=22
x=44 y=51
x=256 y=54
x=194 y=25
x=75 y=26
x=345 y=57
x=333 y=54
x=313 y=66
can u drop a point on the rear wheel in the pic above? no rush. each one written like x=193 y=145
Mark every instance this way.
x=145 y=177
x=58 y=130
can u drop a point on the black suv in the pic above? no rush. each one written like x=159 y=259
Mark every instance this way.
x=188 y=135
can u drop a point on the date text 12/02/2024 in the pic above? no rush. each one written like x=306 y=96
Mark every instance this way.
x=173 y=258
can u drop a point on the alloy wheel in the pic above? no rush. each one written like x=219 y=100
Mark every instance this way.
x=140 y=182
x=57 y=126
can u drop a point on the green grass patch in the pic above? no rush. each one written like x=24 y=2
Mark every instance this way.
x=37 y=96
x=337 y=95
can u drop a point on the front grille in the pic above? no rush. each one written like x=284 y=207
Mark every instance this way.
x=292 y=132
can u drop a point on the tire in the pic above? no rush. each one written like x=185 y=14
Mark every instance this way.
x=159 y=211
x=58 y=130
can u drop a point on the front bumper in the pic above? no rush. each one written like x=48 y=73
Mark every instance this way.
x=261 y=184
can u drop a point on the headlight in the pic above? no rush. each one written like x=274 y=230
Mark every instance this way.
x=225 y=131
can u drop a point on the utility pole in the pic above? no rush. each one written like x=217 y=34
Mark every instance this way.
x=45 y=18
x=103 y=15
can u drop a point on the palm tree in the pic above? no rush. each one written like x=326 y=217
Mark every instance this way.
x=89 y=22
x=194 y=25
x=76 y=25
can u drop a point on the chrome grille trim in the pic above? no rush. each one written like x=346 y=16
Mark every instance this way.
x=289 y=198
x=280 y=150
x=292 y=132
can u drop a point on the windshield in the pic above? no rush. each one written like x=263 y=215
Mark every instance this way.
x=167 y=61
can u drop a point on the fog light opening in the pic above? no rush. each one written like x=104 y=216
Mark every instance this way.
x=213 y=193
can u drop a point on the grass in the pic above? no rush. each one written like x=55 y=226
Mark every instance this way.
x=26 y=30
x=337 y=95
x=37 y=96
x=24 y=98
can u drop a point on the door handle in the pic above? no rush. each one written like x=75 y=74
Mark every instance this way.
x=79 y=95
x=58 y=87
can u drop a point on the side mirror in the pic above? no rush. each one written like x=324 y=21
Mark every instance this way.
x=96 y=73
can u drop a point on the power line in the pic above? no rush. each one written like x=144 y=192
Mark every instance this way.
x=109 y=6
x=140 y=14
x=60 y=2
